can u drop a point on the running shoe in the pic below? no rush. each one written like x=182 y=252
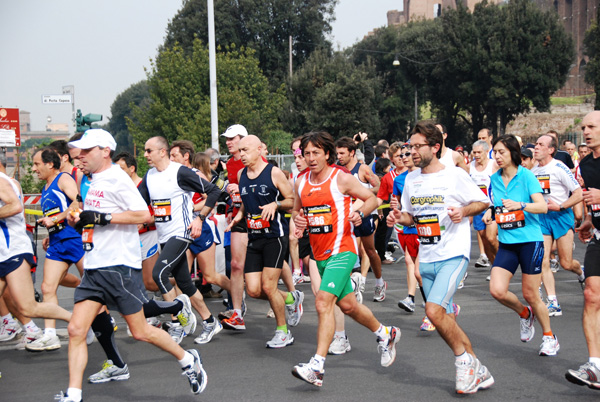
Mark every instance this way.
x=379 y=295
x=587 y=374
x=225 y=315
x=46 y=342
x=461 y=284
x=554 y=267
x=186 y=316
x=177 y=333
x=527 y=328
x=427 y=325
x=307 y=372
x=339 y=346
x=195 y=373
x=355 y=279
x=294 y=311
x=281 y=340
x=235 y=322
x=9 y=330
x=387 y=347
x=455 y=309
x=109 y=372
x=484 y=379
x=29 y=337
x=154 y=321
x=208 y=331
x=89 y=338
x=407 y=305
x=549 y=346
x=297 y=279
x=582 y=282
x=114 y=324
x=62 y=397
x=466 y=375
x=482 y=262
x=270 y=313
x=554 y=309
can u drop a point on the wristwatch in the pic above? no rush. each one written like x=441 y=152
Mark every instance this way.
x=202 y=217
x=360 y=213
x=278 y=204
x=562 y=208
x=108 y=217
x=523 y=206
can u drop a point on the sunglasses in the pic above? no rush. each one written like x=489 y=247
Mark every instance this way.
x=405 y=155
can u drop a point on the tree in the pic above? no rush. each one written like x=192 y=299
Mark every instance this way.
x=263 y=25
x=330 y=93
x=502 y=60
x=591 y=44
x=179 y=106
x=136 y=95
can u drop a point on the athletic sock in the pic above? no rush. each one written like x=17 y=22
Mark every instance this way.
x=423 y=294
x=525 y=313
x=8 y=317
x=464 y=358
x=289 y=299
x=282 y=328
x=552 y=299
x=379 y=281
x=50 y=331
x=188 y=360
x=412 y=298
x=155 y=308
x=210 y=319
x=238 y=312
x=74 y=394
x=104 y=331
x=382 y=332
x=549 y=333
x=31 y=327
x=320 y=360
x=595 y=360
x=341 y=334
x=581 y=277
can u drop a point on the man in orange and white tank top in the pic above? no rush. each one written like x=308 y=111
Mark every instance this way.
x=323 y=203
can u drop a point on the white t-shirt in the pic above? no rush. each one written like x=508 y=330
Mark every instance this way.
x=13 y=236
x=427 y=198
x=556 y=180
x=112 y=191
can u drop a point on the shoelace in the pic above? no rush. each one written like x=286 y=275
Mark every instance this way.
x=191 y=375
x=176 y=330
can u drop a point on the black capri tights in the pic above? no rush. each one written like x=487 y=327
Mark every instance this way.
x=173 y=261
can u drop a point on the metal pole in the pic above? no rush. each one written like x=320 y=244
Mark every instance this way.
x=416 y=107
x=291 y=58
x=212 y=61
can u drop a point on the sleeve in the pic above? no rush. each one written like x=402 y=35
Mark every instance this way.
x=533 y=184
x=143 y=190
x=406 y=205
x=569 y=180
x=569 y=161
x=369 y=152
x=188 y=180
x=385 y=188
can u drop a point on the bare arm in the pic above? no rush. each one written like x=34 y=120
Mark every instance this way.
x=12 y=204
x=370 y=177
x=459 y=161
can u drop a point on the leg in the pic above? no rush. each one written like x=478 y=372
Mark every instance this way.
x=286 y=276
x=547 y=275
x=84 y=313
x=448 y=329
x=500 y=279
x=206 y=263
x=531 y=284
x=294 y=254
x=269 y=279
x=369 y=248
x=564 y=245
x=147 y=267
x=591 y=316
x=54 y=271
x=239 y=243
x=324 y=303
x=490 y=243
x=141 y=331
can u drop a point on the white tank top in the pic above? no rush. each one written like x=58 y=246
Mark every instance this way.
x=447 y=159
x=13 y=237
x=482 y=178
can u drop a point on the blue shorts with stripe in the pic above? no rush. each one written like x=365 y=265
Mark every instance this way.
x=441 y=279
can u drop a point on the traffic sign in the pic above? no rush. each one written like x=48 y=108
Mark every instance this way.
x=61 y=99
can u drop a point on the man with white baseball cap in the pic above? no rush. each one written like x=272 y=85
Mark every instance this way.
x=95 y=137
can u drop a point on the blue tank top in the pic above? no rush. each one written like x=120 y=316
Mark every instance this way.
x=84 y=187
x=258 y=192
x=54 y=201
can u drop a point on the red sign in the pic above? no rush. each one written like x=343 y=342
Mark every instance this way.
x=9 y=120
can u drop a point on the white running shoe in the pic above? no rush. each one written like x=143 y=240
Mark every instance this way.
x=527 y=328
x=407 y=305
x=356 y=279
x=379 y=294
x=387 y=347
x=46 y=342
x=9 y=330
x=109 y=372
x=186 y=316
x=339 y=345
x=294 y=311
x=177 y=333
x=195 y=373
x=208 y=331
x=29 y=337
x=281 y=340
x=549 y=346
x=466 y=375
x=482 y=262
x=307 y=372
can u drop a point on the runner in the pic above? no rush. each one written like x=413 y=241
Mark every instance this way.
x=113 y=207
x=517 y=196
x=438 y=199
x=323 y=204
x=265 y=191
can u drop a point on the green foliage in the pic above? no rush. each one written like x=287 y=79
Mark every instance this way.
x=263 y=25
x=591 y=44
x=330 y=93
x=180 y=96
x=278 y=141
x=136 y=95
x=29 y=182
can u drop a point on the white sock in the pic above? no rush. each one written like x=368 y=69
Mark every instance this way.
x=363 y=279
x=581 y=277
x=379 y=281
x=382 y=332
x=238 y=311
x=31 y=327
x=341 y=334
x=464 y=358
x=50 y=331
x=595 y=360
x=320 y=360
x=187 y=360
x=74 y=393
x=552 y=299
x=8 y=317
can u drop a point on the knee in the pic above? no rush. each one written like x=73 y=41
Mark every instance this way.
x=140 y=333
x=497 y=292
x=156 y=277
x=210 y=277
x=253 y=292
x=27 y=308
x=76 y=331
x=591 y=297
x=48 y=289
x=435 y=312
x=348 y=308
x=322 y=306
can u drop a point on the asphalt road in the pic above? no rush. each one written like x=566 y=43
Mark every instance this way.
x=240 y=368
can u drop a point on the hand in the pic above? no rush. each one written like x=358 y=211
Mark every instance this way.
x=552 y=206
x=455 y=214
x=511 y=205
x=195 y=228
x=89 y=218
x=392 y=217
x=232 y=188
x=355 y=219
x=46 y=243
x=268 y=211
x=46 y=222
x=300 y=222
x=394 y=204
x=584 y=232
x=487 y=217
x=591 y=196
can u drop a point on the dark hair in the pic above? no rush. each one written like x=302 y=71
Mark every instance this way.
x=49 y=155
x=163 y=143
x=380 y=165
x=432 y=135
x=61 y=147
x=444 y=129
x=511 y=143
x=201 y=162
x=322 y=140
x=185 y=147
x=295 y=139
x=346 y=142
x=553 y=144
x=127 y=158
x=380 y=150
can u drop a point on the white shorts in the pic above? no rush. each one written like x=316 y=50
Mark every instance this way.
x=149 y=244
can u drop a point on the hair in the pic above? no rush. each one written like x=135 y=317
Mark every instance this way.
x=3 y=160
x=481 y=143
x=162 y=142
x=380 y=150
x=581 y=146
x=394 y=148
x=432 y=135
x=383 y=142
x=511 y=143
x=552 y=133
x=61 y=147
x=565 y=141
x=76 y=137
x=273 y=162
x=185 y=147
x=201 y=162
x=444 y=129
x=553 y=144
x=380 y=165
x=49 y=155
x=213 y=154
x=295 y=139
x=346 y=142
x=487 y=131
x=127 y=158
x=322 y=140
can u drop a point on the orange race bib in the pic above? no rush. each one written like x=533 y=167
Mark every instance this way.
x=509 y=219
x=236 y=199
x=544 y=180
x=162 y=210
x=256 y=224
x=428 y=229
x=58 y=226
x=87 y=236
x=320 y=219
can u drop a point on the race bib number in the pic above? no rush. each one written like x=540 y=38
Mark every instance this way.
x=595 y=210
x=87 y=236
x=320 y=219
x=545 y=183
x=509 y=219
x=428 y=229
x=58 y=226
x=236 y=199
x=162 y=210
x=257 y=224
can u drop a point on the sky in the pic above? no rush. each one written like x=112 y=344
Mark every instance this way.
x=101 y=47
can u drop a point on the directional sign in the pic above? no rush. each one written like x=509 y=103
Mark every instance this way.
x=61 y=99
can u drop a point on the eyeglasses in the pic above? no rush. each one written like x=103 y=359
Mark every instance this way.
x=405 y=155
x=417 y=146
x=149 y=151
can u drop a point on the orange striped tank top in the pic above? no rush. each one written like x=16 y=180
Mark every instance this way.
x=327 y=211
